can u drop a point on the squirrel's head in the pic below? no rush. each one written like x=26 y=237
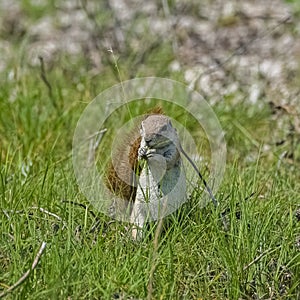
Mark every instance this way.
x=157 y=131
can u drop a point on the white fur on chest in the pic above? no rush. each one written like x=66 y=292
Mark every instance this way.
x=162 y=184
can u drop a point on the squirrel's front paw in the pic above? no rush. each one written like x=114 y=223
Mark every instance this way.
x=142 y=152
x=145 y=152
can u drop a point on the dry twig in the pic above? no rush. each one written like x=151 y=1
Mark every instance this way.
x=46 y=81
x=41 y=210
x=256 y=259
x=27 y=273
x=154 y=258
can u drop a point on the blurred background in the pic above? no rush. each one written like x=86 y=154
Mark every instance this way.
x=242 y=56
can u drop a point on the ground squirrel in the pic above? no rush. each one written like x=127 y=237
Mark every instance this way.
x=158 y=187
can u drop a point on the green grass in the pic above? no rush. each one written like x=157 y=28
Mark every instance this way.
x=257 y=257
x=195 y=257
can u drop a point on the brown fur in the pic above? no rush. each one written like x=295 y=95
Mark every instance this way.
x=113 y=181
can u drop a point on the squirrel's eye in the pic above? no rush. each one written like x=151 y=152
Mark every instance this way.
x=165 y=127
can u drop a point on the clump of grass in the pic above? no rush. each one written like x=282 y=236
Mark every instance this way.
x=195 y=257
